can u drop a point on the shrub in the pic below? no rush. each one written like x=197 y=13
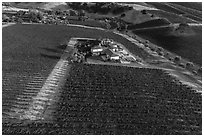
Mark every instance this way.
x=122 y=15
x=146 y=45
x=161 y=53
x=159 y=49
x=195 y=72
x=189 y=65
x=19 y=20
x=177 y=59
x=143 y=11
x=200 y=70
x=152 y=49
x=182 y=65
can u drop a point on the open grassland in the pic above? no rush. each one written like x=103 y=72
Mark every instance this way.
x=173 y=18
x=192 y=5
x=179 y=10
x=151 y=23
x=99 y=99
x=187 y=46
x=136 y=17
x=164 y=7
x=91 y=23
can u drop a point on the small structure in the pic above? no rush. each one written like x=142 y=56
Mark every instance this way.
x=110 y=55
x=97 y=50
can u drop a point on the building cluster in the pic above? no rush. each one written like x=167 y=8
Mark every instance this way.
x=106 y=49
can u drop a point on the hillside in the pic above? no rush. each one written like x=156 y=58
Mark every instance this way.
x=136 y=17
x=151 y=23
x=39 y=5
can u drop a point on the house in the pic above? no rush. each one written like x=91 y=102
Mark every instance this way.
x=96 y=50
x=106 y=41
x=111 y=55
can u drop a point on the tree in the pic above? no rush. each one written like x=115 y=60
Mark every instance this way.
x=177 y=59
x=72 y=13
x=20 y=13
x=143 y=11
x=20 y=21
x=39 y=16
x=5 y=18
x=122 y=15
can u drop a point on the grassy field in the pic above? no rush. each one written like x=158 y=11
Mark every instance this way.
x=151 y=23
x=179 y=10
x=192 y=5
x=162 y=6
x=136 y=17
x=101 y=99
x=91 y=23
x=189 y=47
x=173 y=18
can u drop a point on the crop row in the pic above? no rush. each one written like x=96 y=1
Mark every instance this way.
x=127 y=98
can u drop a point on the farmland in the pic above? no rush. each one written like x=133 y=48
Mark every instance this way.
x=132 y=75
x=98 y=99
x=31 y=51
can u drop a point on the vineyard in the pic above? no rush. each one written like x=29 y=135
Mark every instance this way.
x=101 y=99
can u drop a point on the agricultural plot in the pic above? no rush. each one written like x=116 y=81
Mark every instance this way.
x=30 y=52
x=26 y=63
x=98 y=99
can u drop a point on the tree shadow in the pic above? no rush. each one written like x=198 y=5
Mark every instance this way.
x=53 y=50
x=50 y=56
x=62 y=46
